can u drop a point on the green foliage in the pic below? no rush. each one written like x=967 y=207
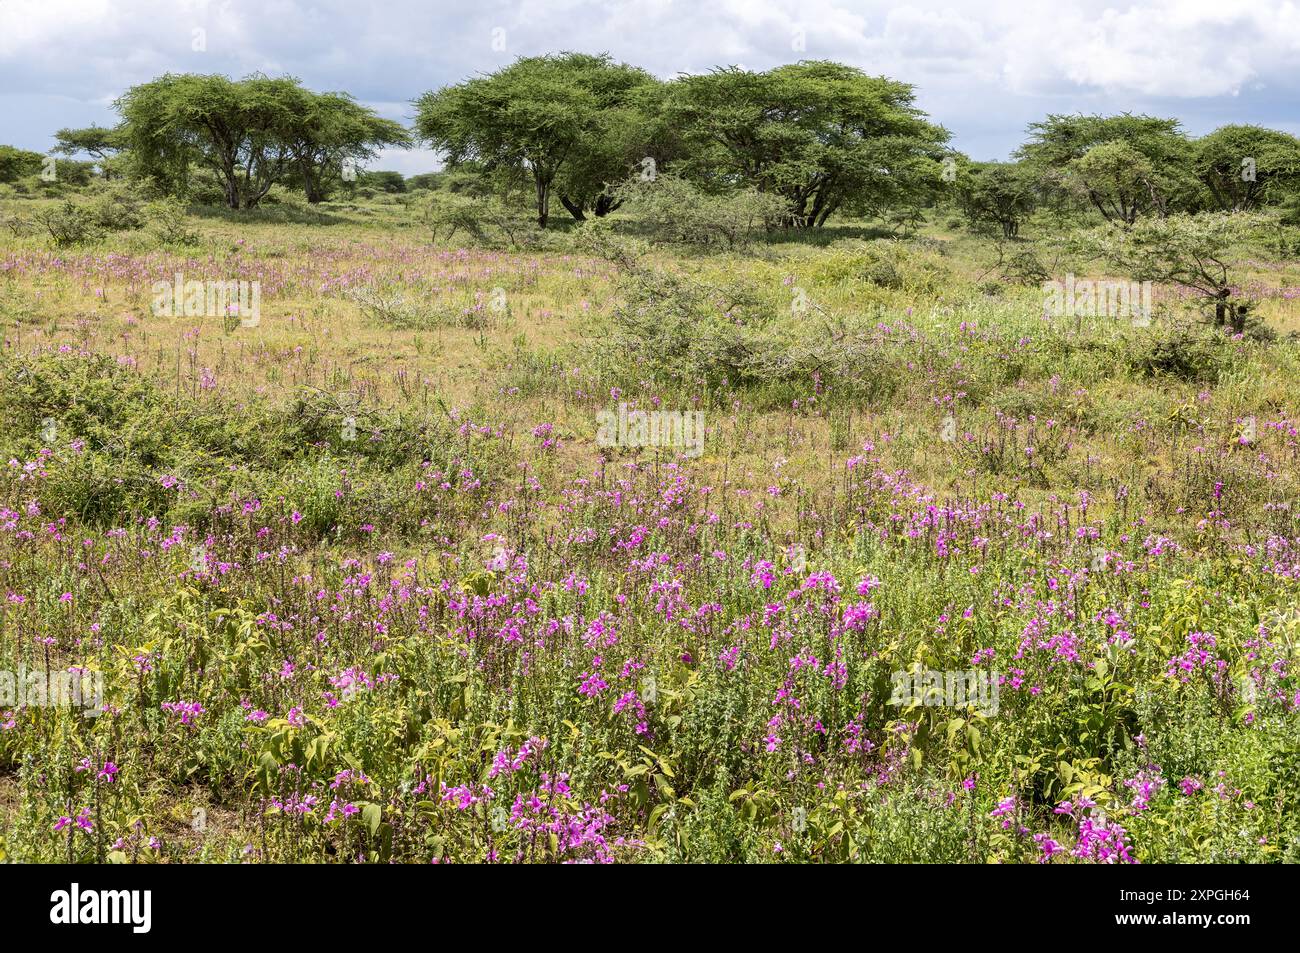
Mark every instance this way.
x=891 y=265
x=117 y=206
x=363 y=587
x=68 y=223
x=331 y=136
x=1246 y=167
x=821 y=135
x=673 y=210
x=1196 y=252
x=998 y=195
x=572 y=115
x=169 y=219
x=1122 y=166
x=679 y=328
x=431 y=181
x=132 y=439
x=391 y=182
x=489 y=220
x=1187 y=354
x=236 y=129
x=250 y=134
x=16 y=164
x=98 y=142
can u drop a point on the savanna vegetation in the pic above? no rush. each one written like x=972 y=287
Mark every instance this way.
x=359 y=574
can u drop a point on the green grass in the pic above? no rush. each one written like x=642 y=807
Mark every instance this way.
x=353 y=520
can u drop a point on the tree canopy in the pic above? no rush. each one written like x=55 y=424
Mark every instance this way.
x=821 y=135
x=248 y=132
x=1122 y=166
x=822 y=138
x=573 y=116
x=99 y=142
x=997 y=194
x=1197 y=252
x=16 y=164
x=333 y=133
x=1247 y=167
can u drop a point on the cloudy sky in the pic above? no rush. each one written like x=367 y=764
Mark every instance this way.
x=983 y=69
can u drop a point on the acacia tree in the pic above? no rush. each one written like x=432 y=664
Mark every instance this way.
x=98 y=142
x=241 y=130
x=629 y=134
x=999 y=194
x=1195 y=252
x=1246 y=167
x=333 y=129
x=821 y=135
x=546 y=115
x=1122 y=166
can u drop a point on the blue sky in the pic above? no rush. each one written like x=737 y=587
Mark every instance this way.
x=984 y=70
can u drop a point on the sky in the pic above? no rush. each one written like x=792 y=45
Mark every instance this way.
x=984 y=70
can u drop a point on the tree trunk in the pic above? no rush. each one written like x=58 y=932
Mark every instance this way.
x=605 y=204
x=821 y=203
x=311 y=183
x=799 y=212
x=543 y=201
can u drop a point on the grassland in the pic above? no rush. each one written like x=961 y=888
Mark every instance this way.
x=359 y=584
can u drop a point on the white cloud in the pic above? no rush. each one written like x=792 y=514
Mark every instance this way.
x=984 y=68
x=1186 y=49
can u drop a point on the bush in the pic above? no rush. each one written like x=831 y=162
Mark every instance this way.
x=70 y=172
x=1191 y=354
x=488 y=220
x=16 y=164
x=204 y=188
x=680 y=329
x=128 y=439
x=168 y=217
x=68 y=224
x=673 y=210
x=891 y=265
x=1025 y=268
x=391 y=182
x=285 y=197
x=18 y=225
x=117 y=206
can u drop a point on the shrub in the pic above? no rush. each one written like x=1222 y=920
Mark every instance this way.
x=891 y=265
x=204 y=188
x=68 y=224
x=168 y=216
x=117 y=206
x=488 y=220
x=18 y=164
x=673 y=210
x=1190 y=354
